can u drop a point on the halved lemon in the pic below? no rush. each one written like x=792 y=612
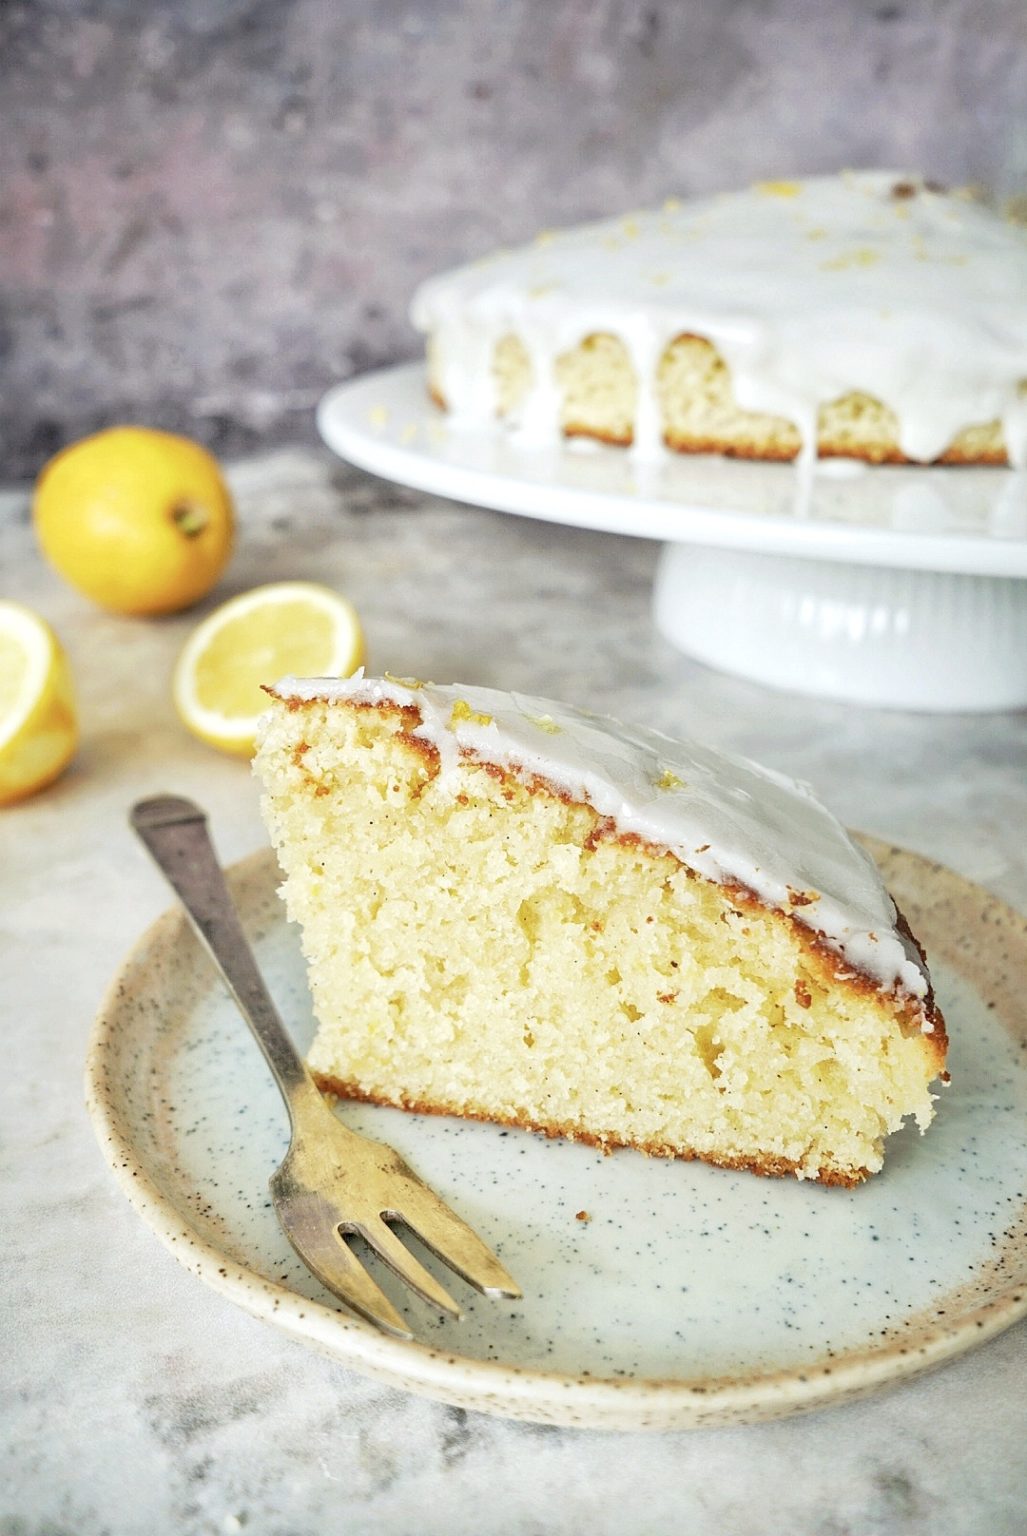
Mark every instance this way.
x=38 y=724
x=258 y=637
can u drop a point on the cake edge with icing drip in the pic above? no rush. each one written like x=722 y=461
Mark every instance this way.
x=869 y=314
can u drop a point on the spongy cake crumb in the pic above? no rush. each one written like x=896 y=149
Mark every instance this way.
x=480 y=947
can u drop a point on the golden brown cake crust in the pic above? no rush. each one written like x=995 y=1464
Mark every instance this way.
x=740 y=448
x=768 y=1167
x=826 y=449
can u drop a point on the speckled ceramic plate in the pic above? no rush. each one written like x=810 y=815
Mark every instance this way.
x=691 y=1295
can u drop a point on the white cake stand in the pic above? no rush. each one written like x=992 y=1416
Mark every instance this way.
x=893 y=586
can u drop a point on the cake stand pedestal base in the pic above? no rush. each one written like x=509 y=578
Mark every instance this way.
x=900 y=639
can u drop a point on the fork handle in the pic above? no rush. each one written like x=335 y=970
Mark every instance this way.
x=175 y=832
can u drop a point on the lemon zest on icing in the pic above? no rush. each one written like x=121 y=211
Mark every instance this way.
x=779 y=188
x=545 y=723
x=462 y=711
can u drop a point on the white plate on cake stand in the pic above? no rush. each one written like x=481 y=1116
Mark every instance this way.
x=691 y=1295
x=893 y=585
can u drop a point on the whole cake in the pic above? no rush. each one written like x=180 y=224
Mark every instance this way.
x=869 y=315
x=518 y=911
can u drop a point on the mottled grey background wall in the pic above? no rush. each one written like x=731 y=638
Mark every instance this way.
x=211 y=209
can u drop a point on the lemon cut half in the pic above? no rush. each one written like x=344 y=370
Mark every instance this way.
x=289 y=627
x=38 y=723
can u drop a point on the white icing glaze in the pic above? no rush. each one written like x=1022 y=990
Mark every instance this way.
x=808 y=289
x=724 y=817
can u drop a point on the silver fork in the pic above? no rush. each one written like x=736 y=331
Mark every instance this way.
x=332 y=1181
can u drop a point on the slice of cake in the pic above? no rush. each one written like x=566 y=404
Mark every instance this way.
x=869 y=315
x=521 y=912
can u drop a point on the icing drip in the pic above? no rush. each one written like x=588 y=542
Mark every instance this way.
x=728 y=819
x=868 y=281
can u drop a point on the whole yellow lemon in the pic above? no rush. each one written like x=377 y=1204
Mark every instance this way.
x=140 y=521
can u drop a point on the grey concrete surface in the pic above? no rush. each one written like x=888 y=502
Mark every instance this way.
x=136 y=1401
x=211 y=209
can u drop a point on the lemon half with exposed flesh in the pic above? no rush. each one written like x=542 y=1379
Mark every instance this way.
x=288 y=627
x=38 y=724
